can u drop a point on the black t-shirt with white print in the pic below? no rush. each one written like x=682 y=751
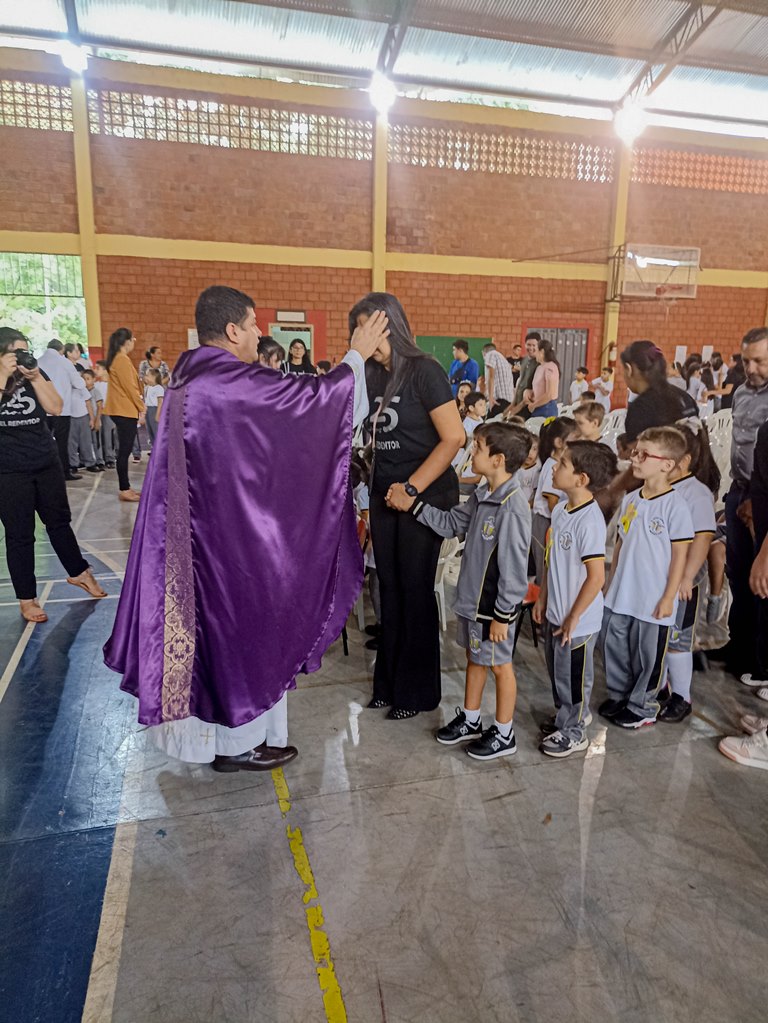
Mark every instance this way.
x=26 y=443
x=404 y=434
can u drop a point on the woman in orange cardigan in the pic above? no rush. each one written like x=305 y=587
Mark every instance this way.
x=124 y=404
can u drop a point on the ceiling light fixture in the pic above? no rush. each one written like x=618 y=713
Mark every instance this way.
x=73 y=57
x=629 y=122
x=382 y=92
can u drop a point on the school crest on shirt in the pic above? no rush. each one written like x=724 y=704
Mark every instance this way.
x=566 y=541
x=656 y=526
x=489 y=528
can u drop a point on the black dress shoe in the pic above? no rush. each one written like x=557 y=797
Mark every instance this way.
x=372 y=644
x=373 y=630
x=93 y=468
x=262 y=758
x=72 y=475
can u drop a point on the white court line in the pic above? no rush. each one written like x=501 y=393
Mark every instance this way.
x=26 y=635
x=66 y=600
x=42 y=582
x=21 y=646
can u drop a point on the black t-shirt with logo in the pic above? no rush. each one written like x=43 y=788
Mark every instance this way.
x=404 y=434
x=26 y=443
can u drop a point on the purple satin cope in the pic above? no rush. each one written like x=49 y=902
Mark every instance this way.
x=275 y=565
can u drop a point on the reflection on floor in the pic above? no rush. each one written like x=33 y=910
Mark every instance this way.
x=626 y=884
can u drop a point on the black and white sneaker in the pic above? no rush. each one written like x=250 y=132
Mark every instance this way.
x=675 y=709
x=492 y=744
x=559 y=745
x=459 y=730
x=549 y=726
x=628 y=719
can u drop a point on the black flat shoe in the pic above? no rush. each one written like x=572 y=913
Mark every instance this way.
x=72 y=476
x=262 y=758
x=372 y=644
x=372 y=630
x=378 y=704
x=399 y=714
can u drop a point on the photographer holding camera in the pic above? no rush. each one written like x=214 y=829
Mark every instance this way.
x=31 y=477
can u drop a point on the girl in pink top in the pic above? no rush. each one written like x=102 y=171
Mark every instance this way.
x=542 y=398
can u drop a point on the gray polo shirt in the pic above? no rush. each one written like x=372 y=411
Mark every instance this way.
x=525 y=381
x=750 y=411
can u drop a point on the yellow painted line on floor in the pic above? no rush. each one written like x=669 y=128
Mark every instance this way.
x=333 y=1000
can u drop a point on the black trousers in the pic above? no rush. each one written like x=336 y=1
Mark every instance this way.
x=21 y=495
x=407 y=671
x=748 y=617
x=126 y=435
x=60 y=429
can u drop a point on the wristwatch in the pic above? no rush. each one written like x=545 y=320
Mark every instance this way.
x=410 y=490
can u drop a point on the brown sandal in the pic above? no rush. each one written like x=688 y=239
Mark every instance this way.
x=129 y=495
x=32 y=612
x=97 y=593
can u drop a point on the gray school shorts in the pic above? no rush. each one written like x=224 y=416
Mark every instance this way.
x=469 y=635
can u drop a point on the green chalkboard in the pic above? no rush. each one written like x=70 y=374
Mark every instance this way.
x=441 y=347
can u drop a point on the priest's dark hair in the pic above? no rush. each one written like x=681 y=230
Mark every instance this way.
x=216 y=308
x=405 y=353
x=116 y=342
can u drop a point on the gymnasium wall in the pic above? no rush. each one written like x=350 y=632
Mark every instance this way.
x=205 y=167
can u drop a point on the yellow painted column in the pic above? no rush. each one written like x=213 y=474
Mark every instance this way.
x=618 y=238
x=85 y=214
x=379 y=239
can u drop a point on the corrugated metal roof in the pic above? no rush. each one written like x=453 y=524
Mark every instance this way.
x=624 y=25
x=223 y=28
x=734 y=37
x=495 y=64
x=33 y=15
x=717 y=93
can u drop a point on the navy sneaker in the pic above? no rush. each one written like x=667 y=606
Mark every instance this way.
x=610 y=708
x=559 y=745
x=458 y=730
x=492 y=744
x=548 y=727
x=675 y=709
x=628 y=719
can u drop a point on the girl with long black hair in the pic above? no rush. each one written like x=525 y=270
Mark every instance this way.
x=124 y=404
x=416 y=432
x=298 y=360
x=658 y=403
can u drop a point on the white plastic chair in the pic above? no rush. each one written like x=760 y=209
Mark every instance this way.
x=448 y=553
x=720 y=422
x=534 y=424
x=616 y=420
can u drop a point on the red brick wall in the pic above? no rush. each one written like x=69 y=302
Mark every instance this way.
x=730 y=228
x=450 y=212
x=499 y=307
x=37 y=183
x=179 y=190
x=717 y=316
x=156 y=298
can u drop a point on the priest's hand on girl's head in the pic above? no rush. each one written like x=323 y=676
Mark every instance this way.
x=369 y=335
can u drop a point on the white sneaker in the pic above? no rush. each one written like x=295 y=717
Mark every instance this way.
x=750 y=751
x=762 y=693
x=750 y=680
x=751 y=723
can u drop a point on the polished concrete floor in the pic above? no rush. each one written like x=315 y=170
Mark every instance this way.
x=382 y=877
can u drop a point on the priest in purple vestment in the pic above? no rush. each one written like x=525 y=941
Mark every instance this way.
x=244 y=562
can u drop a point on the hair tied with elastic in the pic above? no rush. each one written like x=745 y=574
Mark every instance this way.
x=692 y=423
x=548 y=421
x=657 y=353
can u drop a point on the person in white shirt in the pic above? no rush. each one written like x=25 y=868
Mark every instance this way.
x=570 y=603
x=106 y=426
x=579 y=385
x=67 y=381
x=655 y=528
x=80 y=426
x=603 y=387
x=697 y=479
x=94 y=404
x=477 y=406
x=589 y=416
x=153 y=399
x=499 y=380
x=552 y=440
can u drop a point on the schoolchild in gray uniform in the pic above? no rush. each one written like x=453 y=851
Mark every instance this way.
x=552 y=439
x=655 y=528
x=493 y=581
x=697 y=480
x=571 y=599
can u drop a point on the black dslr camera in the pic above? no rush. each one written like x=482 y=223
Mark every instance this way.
x=24 y=359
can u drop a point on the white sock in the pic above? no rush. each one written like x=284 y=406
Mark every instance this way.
x=680 y=668
x=504 y=729
x=472 y=716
